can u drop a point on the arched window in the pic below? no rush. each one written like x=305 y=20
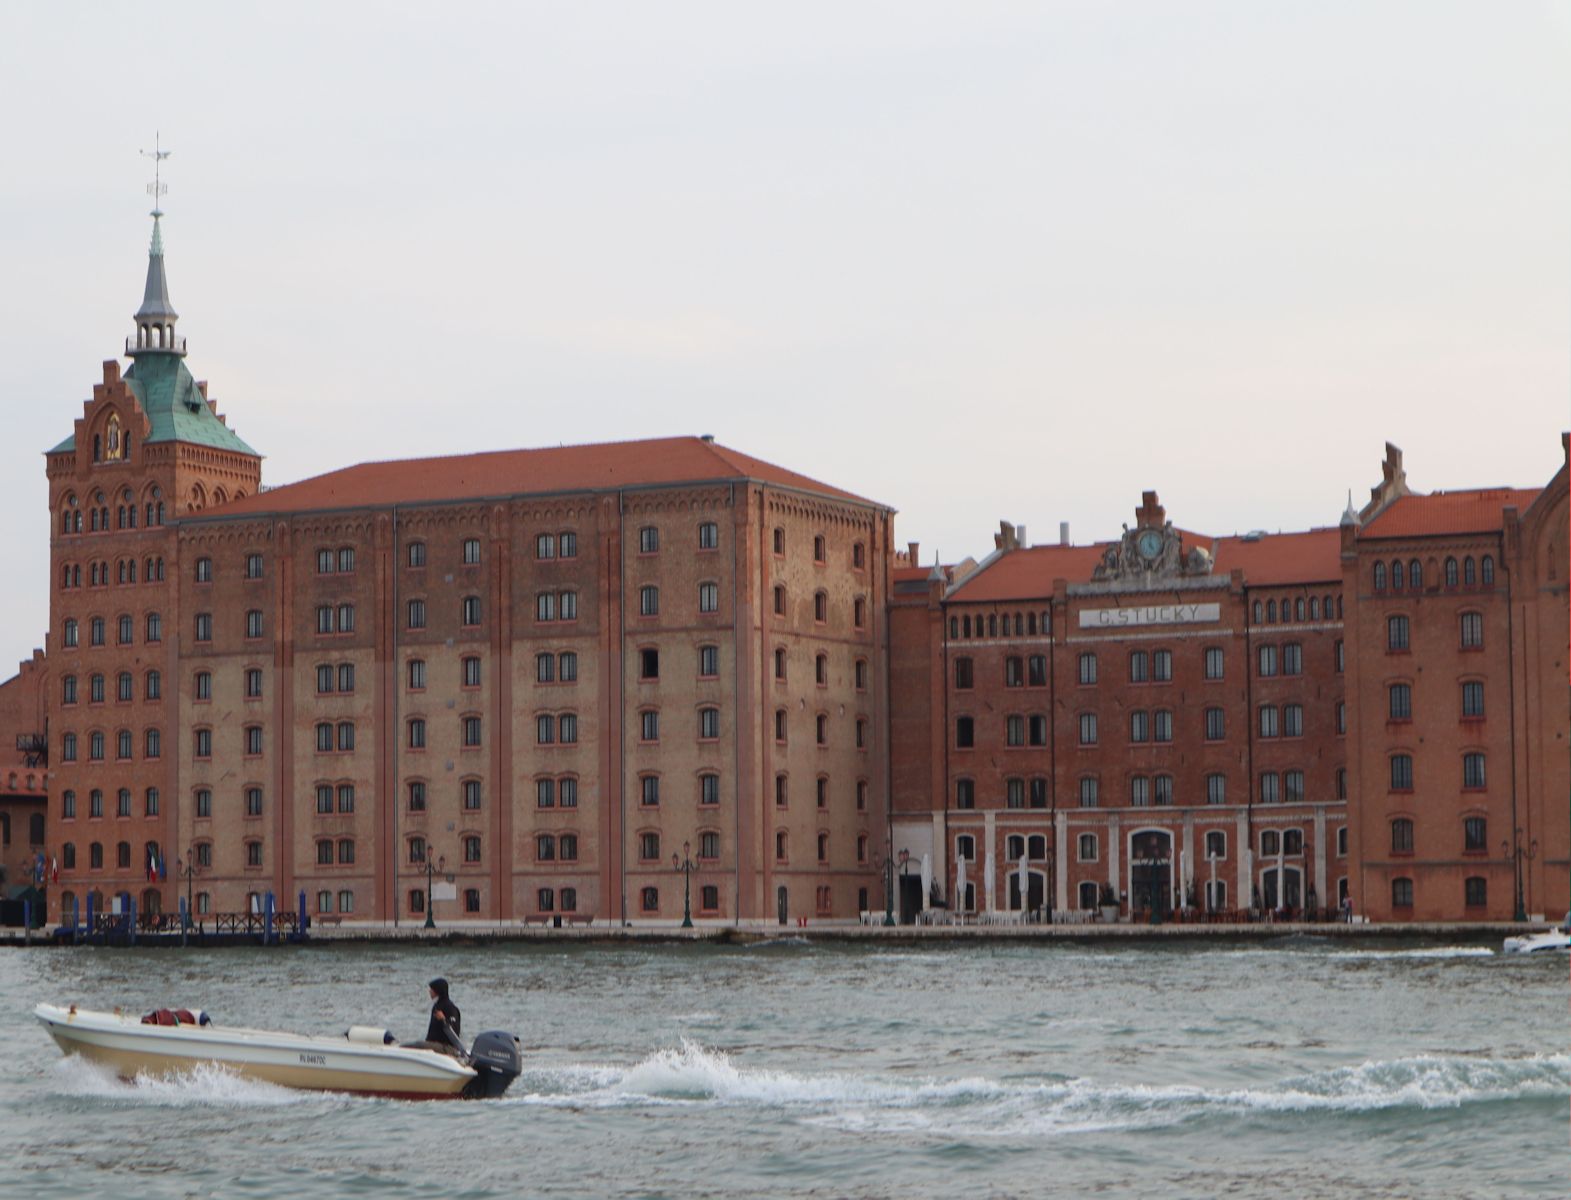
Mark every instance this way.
x=1380 y=577
x=1487 y=564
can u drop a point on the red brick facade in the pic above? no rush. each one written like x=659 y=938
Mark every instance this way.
x=551 y=670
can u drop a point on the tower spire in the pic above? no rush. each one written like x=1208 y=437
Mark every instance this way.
x=155 y=320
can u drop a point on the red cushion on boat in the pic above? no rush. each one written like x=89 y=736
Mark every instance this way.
x=160 y=1016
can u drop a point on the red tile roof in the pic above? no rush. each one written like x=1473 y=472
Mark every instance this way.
x=600 y=467
x=1476 y=510
x=1310 y=556
x=1313 y=556
x=1028 y=573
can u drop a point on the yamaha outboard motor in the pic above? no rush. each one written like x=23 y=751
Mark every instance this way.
x=497 y=1061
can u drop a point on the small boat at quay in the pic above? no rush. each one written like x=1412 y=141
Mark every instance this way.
x=1558 y=938
x=364 y=1061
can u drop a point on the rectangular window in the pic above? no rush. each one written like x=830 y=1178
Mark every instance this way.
x=545 y=545
x=1396 y=633
x=471 y=668
x=1269 y=721
x=1162 y=726
x=708 y=597
x=1216 y=789
x=1088 y=729
x=1267 y=660
x=1036 y=670
x=1087 y=668
x=1473 y=770
x=1162 y=665
x=204 y=627
x=648 y=540
x=1472 y=630
x=649 y=726
x=471 y=731
x=964 y=678
x=1216 y=724
x=1401 y=773
x=708 y=535
x=708 y=723
x=471 y=551
x=1213 y=662
x=1014 y=672
x=253 y=739
x=648 y=601
x=965 y=793
x=1292 y=659
x=1270 y=788
x=1139 y=666
x=417 y=614
x=708 y=662
x=965 y=733
x=1472 y=699
x=324 y=798
x=1292 y=720
x=567 y=605
x=416 y=554
x=709 y=789
x=1090 y=790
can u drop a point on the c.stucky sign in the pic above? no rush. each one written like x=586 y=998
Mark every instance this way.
x=1149 y=614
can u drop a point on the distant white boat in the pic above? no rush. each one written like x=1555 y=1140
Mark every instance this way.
x=1558 y=938
x=365 y=1060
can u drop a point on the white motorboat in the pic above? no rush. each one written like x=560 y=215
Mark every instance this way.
x=365 y=1060
x=1558 y=938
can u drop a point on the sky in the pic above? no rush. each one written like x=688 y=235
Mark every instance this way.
x=976 y=261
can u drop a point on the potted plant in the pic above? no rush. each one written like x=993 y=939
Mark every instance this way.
x=1109 y=903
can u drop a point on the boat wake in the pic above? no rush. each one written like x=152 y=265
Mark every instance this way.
x=980 y=1107
x=205 y=1085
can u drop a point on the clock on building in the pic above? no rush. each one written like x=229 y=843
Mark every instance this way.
x=1149 y=543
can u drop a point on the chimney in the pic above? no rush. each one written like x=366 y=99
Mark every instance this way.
x=1020 y=536
x=913 y=555
x=1063 y=533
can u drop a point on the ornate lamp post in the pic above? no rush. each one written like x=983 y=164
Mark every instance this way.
x=685 y=865
x=1513 y=849
x=886 y=866
x=186 y=868
x=431 y=869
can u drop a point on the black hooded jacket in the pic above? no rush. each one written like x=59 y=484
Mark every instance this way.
x=448 y=1009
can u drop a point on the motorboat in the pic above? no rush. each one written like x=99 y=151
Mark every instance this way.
x=1558 y=938
x=365 y=1060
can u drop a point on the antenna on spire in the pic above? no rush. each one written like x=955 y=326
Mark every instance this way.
x=157 y=188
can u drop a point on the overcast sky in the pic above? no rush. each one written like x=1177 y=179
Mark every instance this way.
x=972 y=260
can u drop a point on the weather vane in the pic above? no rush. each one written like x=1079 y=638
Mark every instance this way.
x=157 y=188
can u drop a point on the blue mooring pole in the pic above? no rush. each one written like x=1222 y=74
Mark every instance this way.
x=90 y=913
x=76 y=920
x=185 y=920
x=130 y=919
x=300 y=925
x=267 y=931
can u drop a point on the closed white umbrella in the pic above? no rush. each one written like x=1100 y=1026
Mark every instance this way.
x=1025 y=886
x=987 y=880
x=960 y=886
x=927 y=878
x=1281 y=879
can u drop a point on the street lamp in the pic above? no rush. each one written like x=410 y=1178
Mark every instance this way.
x=887 y=867
x=685 y=865
x=1513 y=850
x=430 y=870
x=187 y=869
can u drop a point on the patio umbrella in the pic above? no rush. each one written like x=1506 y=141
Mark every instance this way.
x=960 y=886
x=987 y=880
x=927 y=878
x=1025 y=885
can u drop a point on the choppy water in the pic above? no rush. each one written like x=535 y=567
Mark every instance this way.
x=1305 y=1068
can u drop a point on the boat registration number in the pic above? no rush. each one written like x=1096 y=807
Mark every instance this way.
x=314 y=1060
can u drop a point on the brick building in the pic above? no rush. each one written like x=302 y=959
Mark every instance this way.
x=23 y=755
x=541 y=674
x=544 y=672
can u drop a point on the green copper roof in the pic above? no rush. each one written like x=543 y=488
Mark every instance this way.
x=168 y=394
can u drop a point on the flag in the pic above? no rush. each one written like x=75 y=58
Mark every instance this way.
x=55 y=863
x=163 y=867
x=152 y=864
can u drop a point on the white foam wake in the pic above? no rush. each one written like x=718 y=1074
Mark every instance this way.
x=1421 y=952
x=975 y=1106
x=204 y=1085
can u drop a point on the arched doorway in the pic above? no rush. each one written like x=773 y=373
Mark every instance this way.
x=1036 y=890
x=1292 y=894
x=151 y=904
x=1151 y=871
x=781 y=903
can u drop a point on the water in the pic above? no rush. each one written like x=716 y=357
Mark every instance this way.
x=1302 y=1068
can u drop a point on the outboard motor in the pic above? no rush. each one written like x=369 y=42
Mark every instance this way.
x=497 y=1060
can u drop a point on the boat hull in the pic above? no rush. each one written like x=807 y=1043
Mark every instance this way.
x=130 y=1048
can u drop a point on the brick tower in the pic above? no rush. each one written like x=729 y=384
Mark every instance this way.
x=148 y=448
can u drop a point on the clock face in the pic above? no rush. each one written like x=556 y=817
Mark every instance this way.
x=1149 y=543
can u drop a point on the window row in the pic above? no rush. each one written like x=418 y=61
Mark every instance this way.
x=999 y=625
x=1470 y=632
x=152 y=571
x=859 y=669
x=820 y=548
x=862 y=735
x=1474 y=775
x=152 y=859
x=821 y=791
x=125 y=511
x=1475 y=892
x=95 y=803
x=98 y=745
x=125 y=688
x=1298 y=608
x=1398 y=576
x=125 y=627
x=1475 y=836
